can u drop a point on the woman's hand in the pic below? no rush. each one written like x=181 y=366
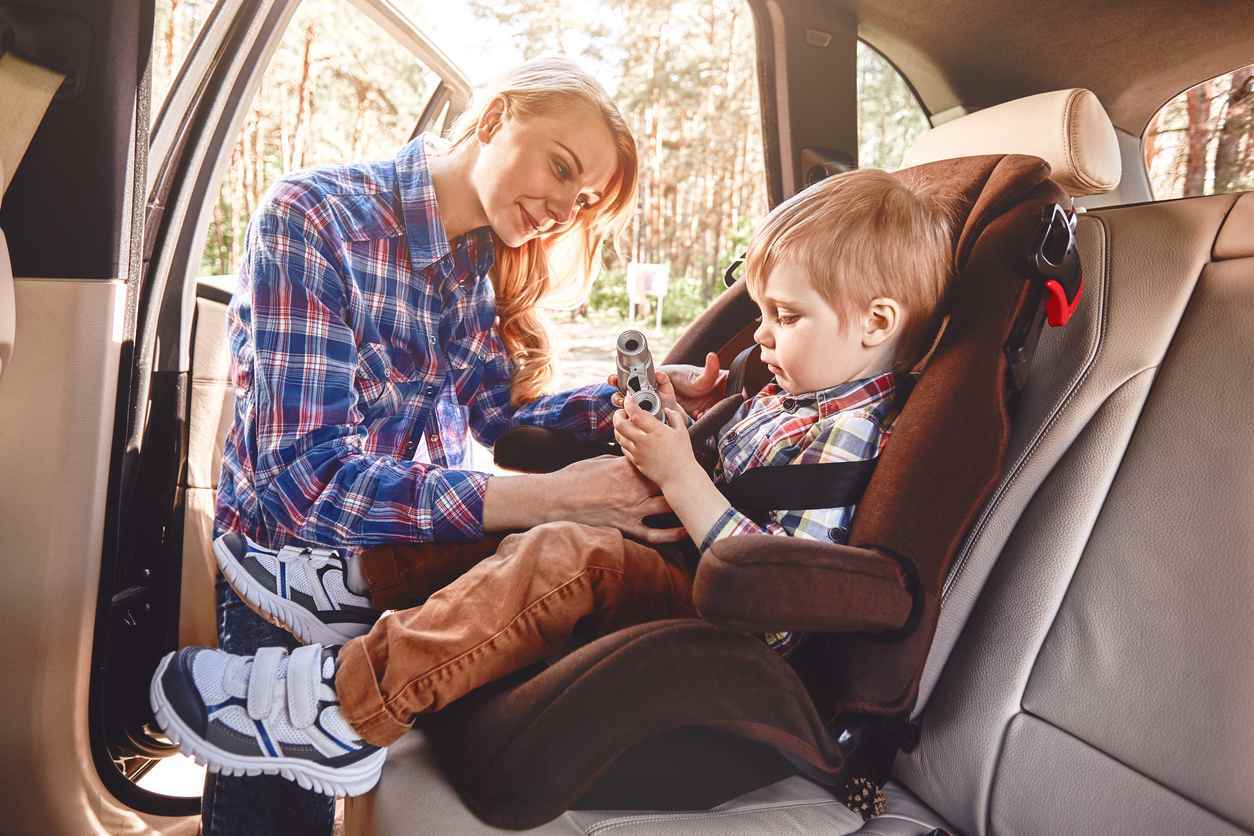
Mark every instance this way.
x=605 y=491
x=609 y=491
x=660 y=451
x=693 y=389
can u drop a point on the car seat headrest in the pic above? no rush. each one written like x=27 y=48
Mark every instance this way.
x=1069 y=129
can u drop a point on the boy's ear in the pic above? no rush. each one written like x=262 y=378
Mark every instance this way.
x=881 y=322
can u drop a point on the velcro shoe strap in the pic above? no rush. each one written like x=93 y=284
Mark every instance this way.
x=317 y=557
x=304 y=675
x=263 y=681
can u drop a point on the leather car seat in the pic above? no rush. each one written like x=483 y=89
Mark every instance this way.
x=1064 y=365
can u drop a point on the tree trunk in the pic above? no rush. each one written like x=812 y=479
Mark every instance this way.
x=1233 y=149
x=1198 y=103
x=169 y=37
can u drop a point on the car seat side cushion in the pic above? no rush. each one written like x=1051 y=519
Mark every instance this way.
x=762 y=583
x=522 y=754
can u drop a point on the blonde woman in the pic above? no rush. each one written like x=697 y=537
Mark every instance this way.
x=385 y=310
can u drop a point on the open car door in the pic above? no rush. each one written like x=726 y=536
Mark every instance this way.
x=106 y=311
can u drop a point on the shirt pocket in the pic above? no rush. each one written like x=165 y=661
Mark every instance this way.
x=376 y=382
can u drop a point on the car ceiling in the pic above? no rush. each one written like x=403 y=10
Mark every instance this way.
x=1134 y=54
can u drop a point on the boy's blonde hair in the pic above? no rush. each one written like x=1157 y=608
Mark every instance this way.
x=566 y=258
x=862 y=235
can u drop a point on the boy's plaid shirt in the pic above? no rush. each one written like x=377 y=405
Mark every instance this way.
x=844 y=423
x=360 y=336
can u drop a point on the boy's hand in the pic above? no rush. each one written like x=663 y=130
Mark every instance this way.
x=665 y=390
x=689 y=388
x=662 y=452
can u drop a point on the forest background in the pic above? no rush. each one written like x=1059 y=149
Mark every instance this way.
x=682 y=71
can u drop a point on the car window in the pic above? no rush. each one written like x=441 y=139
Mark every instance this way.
x=1202 y=141
x=890 y=117
x=684 y=76
x=176 y=24
x=337 y=89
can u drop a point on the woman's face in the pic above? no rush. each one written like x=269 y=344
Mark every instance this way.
x=534 y=174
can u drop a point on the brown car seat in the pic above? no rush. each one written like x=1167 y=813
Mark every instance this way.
x=524 y=750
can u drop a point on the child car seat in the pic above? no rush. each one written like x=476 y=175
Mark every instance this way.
x=524 y=750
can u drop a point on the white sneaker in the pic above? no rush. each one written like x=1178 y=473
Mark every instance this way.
x=272 y=714
x=299 y=589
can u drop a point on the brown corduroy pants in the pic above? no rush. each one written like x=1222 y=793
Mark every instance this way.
x=513 y=609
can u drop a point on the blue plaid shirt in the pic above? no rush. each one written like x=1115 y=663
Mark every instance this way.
x=361 y=336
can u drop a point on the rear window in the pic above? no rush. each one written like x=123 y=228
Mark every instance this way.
x=890 y=117
x=1202 y=141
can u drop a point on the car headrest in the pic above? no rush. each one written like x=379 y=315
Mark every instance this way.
x=1069 y=129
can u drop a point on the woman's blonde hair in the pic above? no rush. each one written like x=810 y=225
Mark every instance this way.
x=860 y=236
x=564 y=259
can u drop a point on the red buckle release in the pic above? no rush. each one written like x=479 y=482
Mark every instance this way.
x=1057 y=309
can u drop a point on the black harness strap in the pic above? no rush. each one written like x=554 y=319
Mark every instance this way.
x=793 y=487
x=798 y=487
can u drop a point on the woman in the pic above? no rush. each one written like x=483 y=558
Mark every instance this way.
x=368 y=337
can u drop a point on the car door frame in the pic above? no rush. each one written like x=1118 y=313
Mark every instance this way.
x=189 y=151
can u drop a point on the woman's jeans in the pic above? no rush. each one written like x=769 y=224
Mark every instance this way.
x=267 y=804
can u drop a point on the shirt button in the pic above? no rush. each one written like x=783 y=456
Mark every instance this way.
x=836 y=535
x=789 y=404
x=431 y=389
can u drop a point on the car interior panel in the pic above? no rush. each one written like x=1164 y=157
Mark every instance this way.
x=1066 y=641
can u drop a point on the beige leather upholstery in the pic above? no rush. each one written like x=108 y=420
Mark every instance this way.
x=1102 y=681
x=212 y=408
x=1069 y=129
x=1236 y=239
x=8 y=302
x=25 y=91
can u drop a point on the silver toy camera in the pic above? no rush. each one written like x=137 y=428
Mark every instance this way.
x=635 y=372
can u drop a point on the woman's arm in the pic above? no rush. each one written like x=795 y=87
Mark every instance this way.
x=585 y=412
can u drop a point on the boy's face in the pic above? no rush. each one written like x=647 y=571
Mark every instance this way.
x=804 y=342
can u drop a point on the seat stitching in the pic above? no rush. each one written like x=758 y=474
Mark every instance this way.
x=910 y=819
x=995 y=764
x=1028 y=453
x=612 y=824
x=1236 y=198
x=1133 y=769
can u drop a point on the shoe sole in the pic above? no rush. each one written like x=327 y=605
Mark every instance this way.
x=356 y=779
x=279 y=611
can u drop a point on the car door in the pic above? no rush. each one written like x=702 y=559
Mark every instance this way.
x=100 y=421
